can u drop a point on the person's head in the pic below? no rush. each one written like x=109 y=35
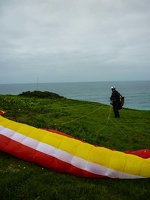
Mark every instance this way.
x=113 y=88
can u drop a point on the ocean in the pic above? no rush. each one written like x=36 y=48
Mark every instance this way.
x=136 y=93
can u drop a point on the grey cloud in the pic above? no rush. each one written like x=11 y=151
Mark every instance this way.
x=77 y=40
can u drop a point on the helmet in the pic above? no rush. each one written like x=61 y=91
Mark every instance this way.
x=113 y=88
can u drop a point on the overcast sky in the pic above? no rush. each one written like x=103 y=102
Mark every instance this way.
x=74 y=40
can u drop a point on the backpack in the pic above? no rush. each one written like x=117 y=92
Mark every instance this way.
x=121 y=103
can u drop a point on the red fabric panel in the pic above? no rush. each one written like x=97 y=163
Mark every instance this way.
x=4 y=141
x=143 y=153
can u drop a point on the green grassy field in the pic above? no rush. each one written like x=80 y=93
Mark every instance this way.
x=92 y=122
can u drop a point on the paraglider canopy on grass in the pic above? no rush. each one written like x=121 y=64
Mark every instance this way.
x=69 y=155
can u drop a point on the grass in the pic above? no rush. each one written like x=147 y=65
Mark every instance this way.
x=92 y=122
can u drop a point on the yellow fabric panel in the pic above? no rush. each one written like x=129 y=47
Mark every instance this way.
x=70 y=145
x=117 y=161
x=77 y=148
x=51 y=139
x=100 y=155
x=7 y=123
x=145 y=167
x=133 y=164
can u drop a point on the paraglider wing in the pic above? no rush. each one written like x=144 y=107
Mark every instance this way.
x=69 y=155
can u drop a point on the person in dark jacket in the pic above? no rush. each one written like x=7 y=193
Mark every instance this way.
x=115 y=101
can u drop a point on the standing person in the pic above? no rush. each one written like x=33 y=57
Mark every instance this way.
x=115 y=101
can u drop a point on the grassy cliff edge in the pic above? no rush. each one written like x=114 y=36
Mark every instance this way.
x=92 y=122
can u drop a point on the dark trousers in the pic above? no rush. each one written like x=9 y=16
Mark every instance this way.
x=116 y=109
